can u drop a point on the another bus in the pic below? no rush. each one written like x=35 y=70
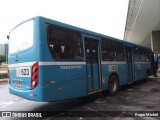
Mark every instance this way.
x=50 y=61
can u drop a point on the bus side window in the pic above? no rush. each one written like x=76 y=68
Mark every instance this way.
x=137 y=54
x=67 y=43
x=77 y=54
x=119 y=51
x=88 y=57
x=108 y=53
x=57 y=51
x=142 y=55
x=66 y=53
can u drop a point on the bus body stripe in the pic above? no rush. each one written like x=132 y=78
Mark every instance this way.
x=65 y=63
x=123 y=62
x=113 y=62
x=62 y=63
x=45 y=63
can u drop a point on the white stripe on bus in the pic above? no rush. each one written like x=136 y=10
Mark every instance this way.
x=45 y=63
x=113 y=62
x=62 y=63
x=66 y=63
x=123 y=62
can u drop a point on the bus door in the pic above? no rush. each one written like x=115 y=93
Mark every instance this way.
x=129 y=63
x=92 y=65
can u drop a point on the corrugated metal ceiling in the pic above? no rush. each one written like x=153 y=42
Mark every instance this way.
x=143 y=18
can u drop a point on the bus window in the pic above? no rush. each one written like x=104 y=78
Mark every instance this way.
x=94 y=53
x=56 y=50
x=119 y=51
x=64 y=43
x=142 y=55
x=88 y=57
x=91 y=52
x=21 y=38
x=136 y=54
x=108 y=53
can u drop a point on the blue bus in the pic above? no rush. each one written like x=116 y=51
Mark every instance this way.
x=51 y=61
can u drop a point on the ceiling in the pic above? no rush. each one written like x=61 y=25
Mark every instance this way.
x=143 y=17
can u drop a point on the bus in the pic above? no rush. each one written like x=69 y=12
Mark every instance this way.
x=51 y=61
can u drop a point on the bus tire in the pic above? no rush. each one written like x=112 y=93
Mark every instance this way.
x=113 y=85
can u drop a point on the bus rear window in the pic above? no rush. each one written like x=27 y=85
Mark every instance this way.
x=21 y=38
x=64 y=43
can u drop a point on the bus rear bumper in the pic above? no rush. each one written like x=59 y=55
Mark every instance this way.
x=35 y=94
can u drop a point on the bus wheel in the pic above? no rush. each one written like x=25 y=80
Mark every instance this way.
x=113 y=85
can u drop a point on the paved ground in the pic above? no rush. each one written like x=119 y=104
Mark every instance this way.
x=141 y=98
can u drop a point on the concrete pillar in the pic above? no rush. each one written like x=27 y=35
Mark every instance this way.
x=156 y=42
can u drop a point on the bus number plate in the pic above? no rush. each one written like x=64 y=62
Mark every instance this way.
x=23 y=72
x=113 y=68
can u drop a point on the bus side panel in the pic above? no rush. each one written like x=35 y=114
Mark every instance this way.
x=49 y=84
x=138 y=73
x=71 y=81
x=121 y=73
x=146 y=67
x=143 y=70
x=140 y=70
x=105 y=76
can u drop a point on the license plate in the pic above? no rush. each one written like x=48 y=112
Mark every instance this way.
x=18 y=84
x=23 y=72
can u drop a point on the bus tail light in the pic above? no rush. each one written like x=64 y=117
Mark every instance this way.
x=34 y=76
